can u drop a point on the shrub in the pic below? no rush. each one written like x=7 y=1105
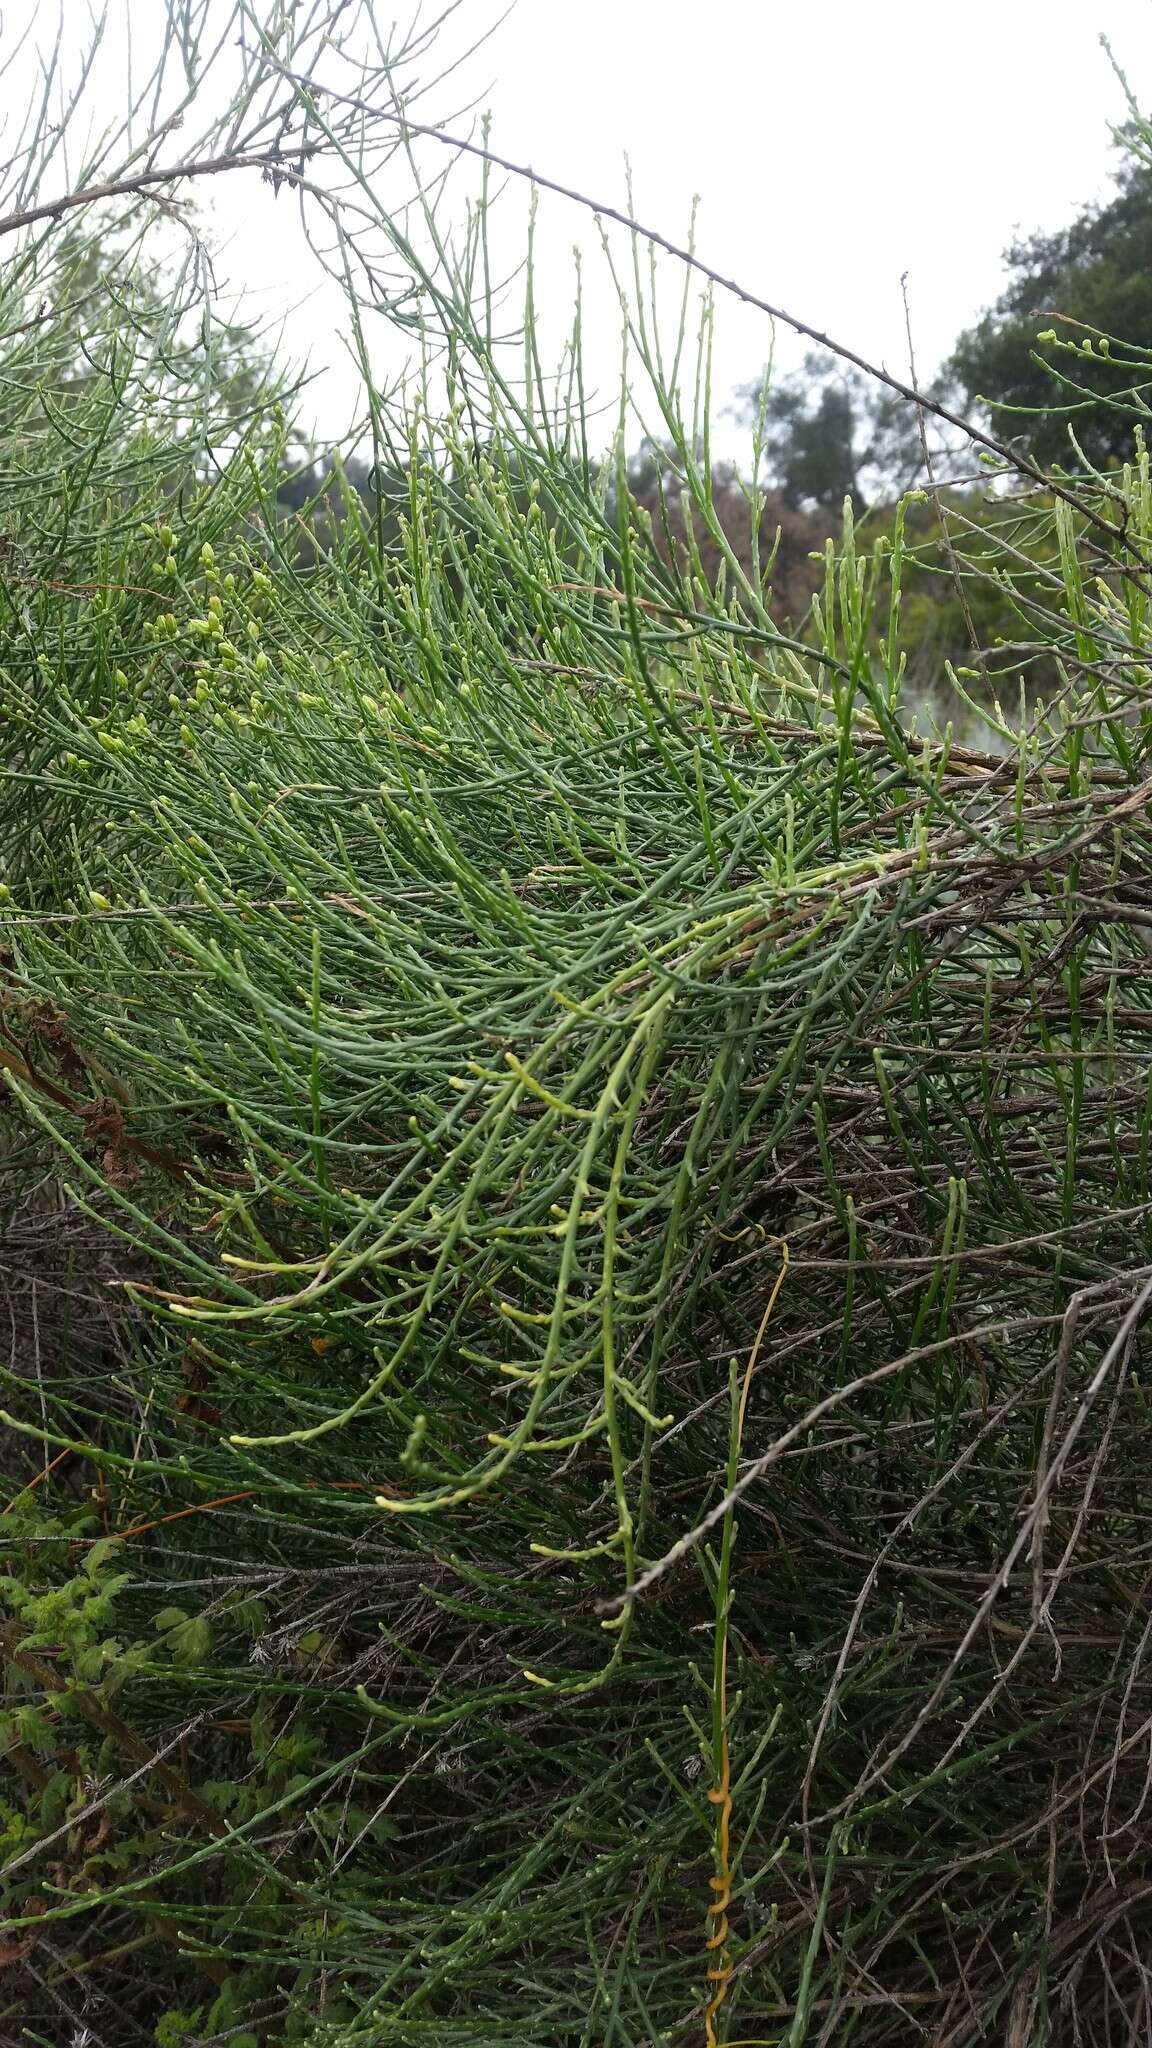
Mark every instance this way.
x=616 y=1515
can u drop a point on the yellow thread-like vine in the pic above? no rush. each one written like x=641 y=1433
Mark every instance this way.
x=720 y=1792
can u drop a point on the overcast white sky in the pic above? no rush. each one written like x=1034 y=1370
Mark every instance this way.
x=833 y=146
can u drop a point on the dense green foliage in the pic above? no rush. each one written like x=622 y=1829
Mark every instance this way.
x=1059 y=366
x=576 y=1191
x=1065 y=354
x=826 y=434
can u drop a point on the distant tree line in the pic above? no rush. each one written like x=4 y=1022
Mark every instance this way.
x=1054 y=366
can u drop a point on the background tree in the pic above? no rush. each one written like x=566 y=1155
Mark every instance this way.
x=828 y=434
x=1090 y=279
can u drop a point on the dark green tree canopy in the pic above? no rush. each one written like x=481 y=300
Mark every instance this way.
x=1088 y=280
x=829 y=434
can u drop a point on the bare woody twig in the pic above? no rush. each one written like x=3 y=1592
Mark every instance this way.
x=273 y=162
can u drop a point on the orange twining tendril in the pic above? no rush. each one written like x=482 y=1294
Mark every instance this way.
x=721 y=1970
x=720 y=1794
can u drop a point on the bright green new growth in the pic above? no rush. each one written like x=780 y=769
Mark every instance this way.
x=448 y=974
